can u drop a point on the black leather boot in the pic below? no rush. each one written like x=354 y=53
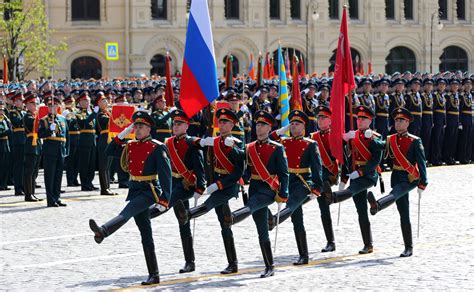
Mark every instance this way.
x=152 y=265
x=185 y=215
x=271 y=222
x=154 y=212
x=367 y=238
x=233 y=266
x=266 y=248
x=284 y=214
x=343 y=195
x=28 y=186
x=236 y=216
x=327 y=193
x=188 y=255
x=107 y=229
x=302 y=248
x=382 y=203
x=407 y=239
x=328 y=231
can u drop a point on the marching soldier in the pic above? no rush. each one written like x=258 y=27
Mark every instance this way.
x=86 y=120
x=5 y=131
x=268 y=184
x=427 y=116
x=466 y=119
x=18 y=139
x=305 y=182
x=162 y=119
x=53 y=129
x=72 y=160
x=414 y=104
x=32 y=148
x=228 y=168
x=187 y=166
x=439 y=123
x=147 y=161
x=366 y=151
x=452 y=122
x=409 y=172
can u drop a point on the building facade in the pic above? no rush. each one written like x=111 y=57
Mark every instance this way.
x=393 y=35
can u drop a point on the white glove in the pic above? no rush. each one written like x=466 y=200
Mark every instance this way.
x=244 y=108
x=52 y=127
x=349 y=135
x=312 y=196
x=66 y=112
x=306 y=90
x=210 y=189
x=342 y=186
x=368 y=133
x=419 y=191
x=460 y=127
x=282 y=130
x=160 y=208
x=354 y=175
x=209 y=141
x=230 y=141
x=196 y=196
x=172 y=109
x=125 y=132
x=278 y=117
x=141 y=108
x=96 y=109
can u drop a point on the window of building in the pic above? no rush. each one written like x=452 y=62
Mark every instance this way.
x=274 y=9
x=295 y=9
x=159 y=9
x=235 y=65
x=231 y=9
x=334 y=9
x=443 y=9
x=453 y=58
x=390 y=9
x=85 y=9
x=158 y=65
x=356 y=60
x=400 y=59
x=461 y=9
x=408 y=9
x=86 y=68
x=354 y=9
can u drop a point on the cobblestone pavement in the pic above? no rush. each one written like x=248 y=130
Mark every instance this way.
x=53 y=248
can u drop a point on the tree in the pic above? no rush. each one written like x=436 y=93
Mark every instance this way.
x=25 y=38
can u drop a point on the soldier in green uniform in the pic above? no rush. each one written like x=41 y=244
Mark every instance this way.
x=72 y=160
x=53 y=129
x=32 y=148
x=409 y=172
x=5 y=130
x=18 y=139
x=162 y=119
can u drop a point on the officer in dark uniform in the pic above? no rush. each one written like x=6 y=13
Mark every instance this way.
x=162 y=119
x=103 y=117
x=439 y=123
x=427 y=116
x=17 y=142
x=305 y=181
x=53 y=129
x=414 y=104
x=228 y=168
x=187 y=166
x=354 y=100
x=234 y=100
x=32 y=148
x=366 y=98
x=366 y=147
x=382 y=104
x=397 y=99
x=147 y=161
x=466 y=119
x=5 y=130
x=86 y=120
x=268 y=184
x=409 y=172
x=309 y=103
x=324 y=97
x=452 y=122
x=72 y=160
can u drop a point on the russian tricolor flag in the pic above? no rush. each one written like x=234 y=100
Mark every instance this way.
x=199 y=82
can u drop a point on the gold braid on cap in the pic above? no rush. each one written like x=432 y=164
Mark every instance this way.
x=124 y=159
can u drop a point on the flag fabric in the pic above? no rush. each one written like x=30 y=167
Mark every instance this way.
x=295 y=101
x=121 y=117
x=342 y=84
x=260 y=70
x=266 y=68
x=169 y=94
x=287 y=65
x=229 y=81
x=369 y=68
x=283 y=90
x=272 y=68
x=199 y=81
x=251 y=71
x=302 y=69
x=5 y=70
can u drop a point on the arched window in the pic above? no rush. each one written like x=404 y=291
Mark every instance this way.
x=85 y=68
x=290 y=52
x=400 y=59
x=453 y=58
x=158 y=65
x=235 y=65
x=356 y=61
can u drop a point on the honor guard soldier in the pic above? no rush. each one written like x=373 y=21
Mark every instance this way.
x=268 y=184
x=427 y=116
x=5 y=131
x=305 y=181
x=382 y=104
x=397 y=99
x=366 y=151
x=17 y=142
x=72 y=160
x=228 y=167
x=409 y=172
x=32 y=148
x=103 y=117
x=147 y=161
x=86 y=120
x=187 y=166
x=53 y=129
x=452 y=123
x=439 y=123
x=466 y=119
x=162 y=119
x=414 y=104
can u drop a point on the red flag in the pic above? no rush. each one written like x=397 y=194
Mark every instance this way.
x=169 y=94
x=369 y=68
x=302 y=70
x=5 y=70
x=272 y=68
x=266 y=68
x=229 y=81
x=361 y=68
x=342 y=84
x=251 y=68
x=295 y=101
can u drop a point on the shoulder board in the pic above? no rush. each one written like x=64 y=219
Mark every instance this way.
x=308 y=140
x=413 y=136
x=154 y=141
x=275 y=143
